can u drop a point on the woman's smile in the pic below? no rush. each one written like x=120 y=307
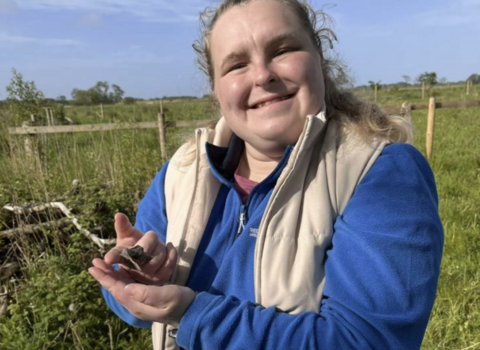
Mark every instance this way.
x=271 y=100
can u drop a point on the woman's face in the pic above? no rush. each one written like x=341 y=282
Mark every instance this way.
x=267 y=74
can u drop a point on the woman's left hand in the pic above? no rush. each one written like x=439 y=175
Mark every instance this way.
x=165 y=304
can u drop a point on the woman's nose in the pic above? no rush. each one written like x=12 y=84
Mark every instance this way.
x=264 y=74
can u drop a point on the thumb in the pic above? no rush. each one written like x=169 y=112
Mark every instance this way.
x=125 y=230
x=144 y=294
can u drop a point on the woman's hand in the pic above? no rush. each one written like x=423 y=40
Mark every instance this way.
x=158 y=270
x=165 y=304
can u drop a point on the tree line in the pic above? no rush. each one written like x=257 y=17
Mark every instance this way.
x=428 y=78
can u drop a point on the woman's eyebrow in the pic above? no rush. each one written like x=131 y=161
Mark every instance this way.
x=279 y=39
x=270 y=43
x=232 y=57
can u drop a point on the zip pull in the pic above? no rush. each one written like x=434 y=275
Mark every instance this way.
x=241 y=219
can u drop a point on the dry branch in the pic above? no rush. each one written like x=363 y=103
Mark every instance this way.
x=100 y=242
x=36 y=228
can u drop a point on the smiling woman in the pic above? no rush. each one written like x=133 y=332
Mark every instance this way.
x=299 y=221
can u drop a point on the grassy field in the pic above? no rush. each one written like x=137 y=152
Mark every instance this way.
x=53 y=302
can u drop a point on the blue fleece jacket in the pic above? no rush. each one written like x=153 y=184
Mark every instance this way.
x=381 y=271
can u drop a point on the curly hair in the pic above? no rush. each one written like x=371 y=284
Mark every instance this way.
x=365 y=118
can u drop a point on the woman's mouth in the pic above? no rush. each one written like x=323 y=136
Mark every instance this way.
x=271 y=101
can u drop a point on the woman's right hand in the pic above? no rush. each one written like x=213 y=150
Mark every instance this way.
x=155 y=272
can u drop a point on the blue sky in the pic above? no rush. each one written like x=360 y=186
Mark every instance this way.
x=144 y=46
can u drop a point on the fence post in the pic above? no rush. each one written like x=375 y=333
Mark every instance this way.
x=407 y=110
x=423 y=90
x=468 y=87
x=47 y=115
x=161 y=131
x=430 y=127
x=52 y=119
x=28 y=143
x=102 y=115
x=376 y=89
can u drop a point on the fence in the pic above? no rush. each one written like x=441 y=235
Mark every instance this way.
x=404 y=110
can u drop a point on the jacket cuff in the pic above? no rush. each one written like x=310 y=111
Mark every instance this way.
x=190 y=321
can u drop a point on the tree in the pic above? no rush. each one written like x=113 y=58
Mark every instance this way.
x=62 y=100
x=443 y=80
x=474 y=78
x=406 y=79
x=372 y=84
x=117 y=94
x=97 y=94
x=81 y=97
x=429 y=78
x=24 y=98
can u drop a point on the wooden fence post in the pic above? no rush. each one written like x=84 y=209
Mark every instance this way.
x=430 y=127
x=161 y=131
x=468 y=87
x=376 y=89
x=423 y=90
x=28 y=143
x=407 y=110
x=47 y=115
x=52 y=120
x=102 y=115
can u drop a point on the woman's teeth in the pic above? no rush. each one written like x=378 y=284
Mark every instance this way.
x=263 y=104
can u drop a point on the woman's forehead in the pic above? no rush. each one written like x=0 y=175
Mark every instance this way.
x=260 y=19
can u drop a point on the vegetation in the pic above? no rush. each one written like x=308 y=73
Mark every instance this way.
x=54 y=304
x=474 y=78
x=24 y=99
x=100 y=93
x=429 y=78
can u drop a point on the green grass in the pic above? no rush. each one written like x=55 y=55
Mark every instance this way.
x=115 y=168
x=456 y=164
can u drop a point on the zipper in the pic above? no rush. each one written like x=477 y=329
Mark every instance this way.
x=241 y=220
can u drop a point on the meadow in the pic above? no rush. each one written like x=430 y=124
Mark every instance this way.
x=53 y=303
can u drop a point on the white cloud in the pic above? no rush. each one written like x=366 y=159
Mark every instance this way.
x=6 y=38
x=455 y=13
x=148 y=10
x=92 y=19
x=124 y=60
x=8 y=6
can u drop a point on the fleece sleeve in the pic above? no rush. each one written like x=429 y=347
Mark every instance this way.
x=151 y=216
x=381 y=274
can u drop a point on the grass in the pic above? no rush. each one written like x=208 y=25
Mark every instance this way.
x=455 y=319
x=55 y=304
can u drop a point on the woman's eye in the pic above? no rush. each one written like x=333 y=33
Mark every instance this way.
x=284 y=51
x=237 y=66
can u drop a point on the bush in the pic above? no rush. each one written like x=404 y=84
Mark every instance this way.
x=129 y=100
x=61 y=307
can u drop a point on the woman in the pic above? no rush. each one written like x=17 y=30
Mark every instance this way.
x=298 y=222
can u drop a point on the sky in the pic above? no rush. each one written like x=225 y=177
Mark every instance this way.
x=145 y=46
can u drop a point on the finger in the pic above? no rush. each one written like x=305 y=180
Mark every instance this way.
x=113 y=255
x=148 y=302
x=114 y=285
x=119 y=274
x=152 y=246
x=149 y=295
x=159 y=304
x=125 y=231
x=164 y=272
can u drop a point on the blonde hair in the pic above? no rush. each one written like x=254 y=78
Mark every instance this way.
x=365 y=118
